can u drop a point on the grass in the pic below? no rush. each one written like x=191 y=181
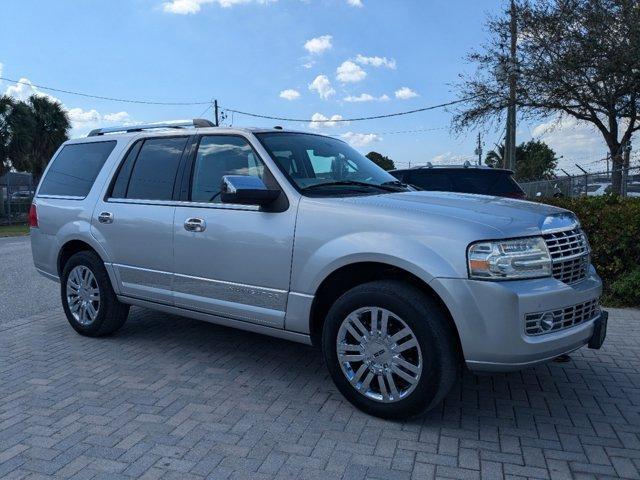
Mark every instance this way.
x=14 y=230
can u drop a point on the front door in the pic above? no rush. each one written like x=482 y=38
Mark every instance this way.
x=134 y=222
x=231 y=260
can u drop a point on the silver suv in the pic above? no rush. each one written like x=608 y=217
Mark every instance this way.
x=300 y=237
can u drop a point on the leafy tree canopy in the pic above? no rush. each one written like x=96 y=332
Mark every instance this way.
x=382 y=161
x=535 y=160
x=578 y=58
x=31 y=132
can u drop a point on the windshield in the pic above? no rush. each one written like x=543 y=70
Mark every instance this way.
x=321 y=165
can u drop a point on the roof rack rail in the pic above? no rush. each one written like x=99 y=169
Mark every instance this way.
x=196 y=122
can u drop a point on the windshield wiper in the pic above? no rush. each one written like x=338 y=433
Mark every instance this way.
x=399 y=186
x=353 y=183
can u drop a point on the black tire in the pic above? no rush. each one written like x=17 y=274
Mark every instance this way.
x=432 y=330
x=111 y=313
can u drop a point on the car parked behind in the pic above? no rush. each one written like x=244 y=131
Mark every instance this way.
x=465 y=178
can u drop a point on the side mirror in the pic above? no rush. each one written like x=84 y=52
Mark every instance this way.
x=246 y=190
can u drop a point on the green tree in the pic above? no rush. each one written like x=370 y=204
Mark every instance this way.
x=382 y=161
x=495 y=158
x=576 y=58
x=37 y=128
x=6 y=105
x=535 y=160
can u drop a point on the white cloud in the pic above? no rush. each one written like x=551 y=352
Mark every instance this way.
x=309 y=65
x=118 y=117
x=355 y=3
x=1 y=69
x=365 y=97
x=361 y=139
x=376 y=61
x=318 y=121
x=322 y=85
x=23 y=89
x=350 y=72
x=289 y=94
x=318 y=45
x=189 y=7
x=449 y=158
x=80 y=117
x=576 y=141
x=81 y=120
x=405 y=93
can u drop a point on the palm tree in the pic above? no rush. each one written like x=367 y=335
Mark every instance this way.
x=36 y=128
x=6 y=104
x=495 y=158
x=51 y=124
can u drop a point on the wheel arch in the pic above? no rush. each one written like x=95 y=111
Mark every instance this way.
x=348 y=276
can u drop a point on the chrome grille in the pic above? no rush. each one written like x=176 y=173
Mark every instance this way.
x=554 y=320
x=569 y=251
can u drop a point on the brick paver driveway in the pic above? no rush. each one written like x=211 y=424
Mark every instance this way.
x=174 y=398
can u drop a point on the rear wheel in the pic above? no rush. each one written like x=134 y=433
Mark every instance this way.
x=389 y=349
x=88 y=299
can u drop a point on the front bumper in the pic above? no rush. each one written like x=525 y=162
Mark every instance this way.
x=490 y=317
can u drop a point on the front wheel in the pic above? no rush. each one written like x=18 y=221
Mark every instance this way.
x=88 y=299
x=389 y=349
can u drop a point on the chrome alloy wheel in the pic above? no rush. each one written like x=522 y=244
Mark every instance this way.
x=379 y=354
x=83 y=295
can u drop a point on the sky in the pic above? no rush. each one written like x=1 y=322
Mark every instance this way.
x=308 y=59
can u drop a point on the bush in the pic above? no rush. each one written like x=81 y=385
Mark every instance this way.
x=612 y=225
x=628 y=287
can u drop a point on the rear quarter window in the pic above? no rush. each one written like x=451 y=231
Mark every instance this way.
x=75 y=168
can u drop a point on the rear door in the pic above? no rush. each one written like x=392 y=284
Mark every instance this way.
x=134 y=221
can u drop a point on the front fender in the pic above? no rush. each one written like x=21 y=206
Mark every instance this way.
x=402 y=252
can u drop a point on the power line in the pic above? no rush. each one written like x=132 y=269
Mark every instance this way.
x=357 y=119
x=100 y=97
x=240 y=112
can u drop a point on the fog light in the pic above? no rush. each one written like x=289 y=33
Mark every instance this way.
x=546 y=322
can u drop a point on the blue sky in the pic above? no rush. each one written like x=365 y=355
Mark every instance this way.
x=324 y=54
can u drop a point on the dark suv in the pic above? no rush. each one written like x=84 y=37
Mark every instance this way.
x=497 y=182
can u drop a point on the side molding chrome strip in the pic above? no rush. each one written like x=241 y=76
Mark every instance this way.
x=227 y=322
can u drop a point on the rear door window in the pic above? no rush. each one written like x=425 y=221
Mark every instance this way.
x=154 y=171
x=76 y=167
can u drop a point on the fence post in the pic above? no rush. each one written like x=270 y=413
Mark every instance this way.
x=8 y=199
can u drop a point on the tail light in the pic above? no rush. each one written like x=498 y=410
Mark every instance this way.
x=33 y=216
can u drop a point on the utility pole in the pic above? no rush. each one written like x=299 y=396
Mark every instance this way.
x=479 y=149
x=510 y=140
x=215 y=113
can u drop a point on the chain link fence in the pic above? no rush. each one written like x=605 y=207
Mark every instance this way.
x=16 y=193
x=584 y=185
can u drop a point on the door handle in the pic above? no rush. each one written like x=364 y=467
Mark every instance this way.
x=105 y=217
x=195 y=225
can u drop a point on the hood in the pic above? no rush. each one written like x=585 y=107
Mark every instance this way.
x=507 y=217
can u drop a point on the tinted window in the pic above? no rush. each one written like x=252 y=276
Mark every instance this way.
x=430 y=180
x=219 y=156
x=122 y=180
x=485 y=182
x=154 y=171
x=75 y=169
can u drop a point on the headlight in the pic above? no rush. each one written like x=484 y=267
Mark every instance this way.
x=509 y=259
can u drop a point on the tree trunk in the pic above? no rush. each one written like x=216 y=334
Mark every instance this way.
x=617 y=167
